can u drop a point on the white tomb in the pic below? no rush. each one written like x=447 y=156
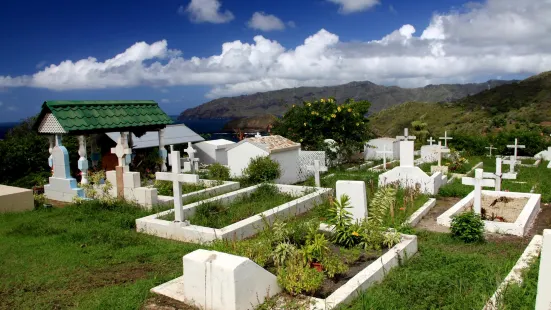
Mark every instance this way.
x=219 y=281
x=213 y=151
x=61 y=187
x=429 y=152
x=355 y=190
x=317 y=168
x=373 y=147
x=407 y=174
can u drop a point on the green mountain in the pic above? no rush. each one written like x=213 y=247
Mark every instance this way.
x=519 y=105
x=381 y=97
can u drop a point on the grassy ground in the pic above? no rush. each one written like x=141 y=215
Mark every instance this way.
x=87 y=257
x=165 y=187
x=216 y=215
x=445 y=274
x=522 y=296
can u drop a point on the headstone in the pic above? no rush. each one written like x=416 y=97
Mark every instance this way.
x=355 y=190
x=177 y=177
x=439 y=167
x=317 y=168
x=406 y=149
x=431 y=140
x=384 y=152
x=220 y=281
x=499 y=175
x=446 y=138
x=61 y=187
x=478 y=182
x=512 y=162
x=543 y=298
x=406 y=136
x=491 y=147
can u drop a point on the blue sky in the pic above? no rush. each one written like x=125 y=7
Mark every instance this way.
x=360 y=40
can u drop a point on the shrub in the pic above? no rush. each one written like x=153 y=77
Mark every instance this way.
x=468 y=227
x=217 y=171
x=262 y=169
x=297 y=278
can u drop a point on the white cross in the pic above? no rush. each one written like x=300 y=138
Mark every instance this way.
x=121 y=150
x=441 y=150
x=446 y=138
x=499 y=175
x=177 y=177
x=190 y=151
x=257 y=135
x=406 y=136
x=317 y=168
x=478 y=182
x=513 y=160
x=491 y=148
x=384 y=152
x=431 y=140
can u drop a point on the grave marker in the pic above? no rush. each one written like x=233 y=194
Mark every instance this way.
x=499 y=175
x=478 y=182
x=190 y=151
x=177 y=177
x=258 y=135
x=441 y=150
x=512 y=162
x=384 y=152
x=446 y=138
x=406 y=136
x=406 y=149
x=431 y=140
x=355 y=190
x=491 y=148
x=317 y=168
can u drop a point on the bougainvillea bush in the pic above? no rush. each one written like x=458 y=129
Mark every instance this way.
x=313 y=122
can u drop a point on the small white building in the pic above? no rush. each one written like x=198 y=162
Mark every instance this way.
x=213 y=151
x=280 y=149
x=375 y=145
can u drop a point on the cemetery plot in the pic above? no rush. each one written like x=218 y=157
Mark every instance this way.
x=192 y=192
x=234 y=215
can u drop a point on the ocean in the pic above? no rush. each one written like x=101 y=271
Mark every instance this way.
x=210 y=127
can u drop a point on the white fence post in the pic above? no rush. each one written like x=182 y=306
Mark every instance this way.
x=543 y=299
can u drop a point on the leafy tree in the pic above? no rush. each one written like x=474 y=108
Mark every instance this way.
x=313 y=122
x=420 y=130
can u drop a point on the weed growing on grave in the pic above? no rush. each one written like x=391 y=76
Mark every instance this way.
x=165 y=188
x=522 y=296
x=217 y=171
x=468 y=227
x=262 y=169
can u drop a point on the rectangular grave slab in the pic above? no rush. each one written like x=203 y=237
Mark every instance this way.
x=518 y=228
x=248 y=227
x=355 y=190
x=15 y=199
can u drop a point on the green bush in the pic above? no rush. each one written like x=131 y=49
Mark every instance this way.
x=468 y=227
x=217 y=171
x=297 y=278
x=262 y=169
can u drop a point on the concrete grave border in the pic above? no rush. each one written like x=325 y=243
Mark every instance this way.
x=418 y=215
x=515 y=275
x=518 y=228
x=248 y=227
x=225 y=187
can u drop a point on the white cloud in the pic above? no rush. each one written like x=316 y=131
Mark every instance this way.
x=291 y=24
x=41 y=64
x=499 y=38
x=206 y=11
x=164 y=100
x=11 y=108
x=352 y=6
x=264 y=22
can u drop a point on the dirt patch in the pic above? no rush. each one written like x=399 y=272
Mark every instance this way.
x=429 y=220
x=164 y=303
x=503 y=209
x=543 y=221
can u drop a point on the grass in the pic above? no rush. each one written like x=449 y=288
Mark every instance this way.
x=85 y=256
x=445 y=274
x=528 y=161
x=522 y=296
x=216 y=215
x=164 y=188
x=539 y=176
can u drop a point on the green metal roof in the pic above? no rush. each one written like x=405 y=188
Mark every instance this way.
x=100 y=115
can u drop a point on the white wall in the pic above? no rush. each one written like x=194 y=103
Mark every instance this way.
x=288 y=161
x=240 y=156
x=205 y=152
x=222 y=156
x=378 y=145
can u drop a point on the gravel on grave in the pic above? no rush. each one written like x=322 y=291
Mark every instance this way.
x=506 y=207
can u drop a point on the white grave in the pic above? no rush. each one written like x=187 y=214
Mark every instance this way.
x=478 y=182
x=355 y=190
x=373 y=147
x=446 y=138
x=177 y=177
x=543 y=298
x=439 y=167
x=513 y=160
x=61 y=187
x=317 y=168
x=193 y=164
x=384 y=152
x=499 y=175
x=219 y=281
x=491 y=147
x=407 y=174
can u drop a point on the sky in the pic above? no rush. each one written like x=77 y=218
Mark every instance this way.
x=183 y=53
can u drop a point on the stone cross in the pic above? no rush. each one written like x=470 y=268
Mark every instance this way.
x=317 y=168
x=384 y=152
x=406 y=136
x=121 y=150
x=478 y=182
x=499 y=175
x=446 y=138
x=190 y=151
x=513 y=160
x=491 y=148
x=258 y=135
x=431 y=140
x=441 y=150
x=177 y=177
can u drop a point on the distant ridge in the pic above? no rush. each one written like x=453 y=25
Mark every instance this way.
x=381 y=97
